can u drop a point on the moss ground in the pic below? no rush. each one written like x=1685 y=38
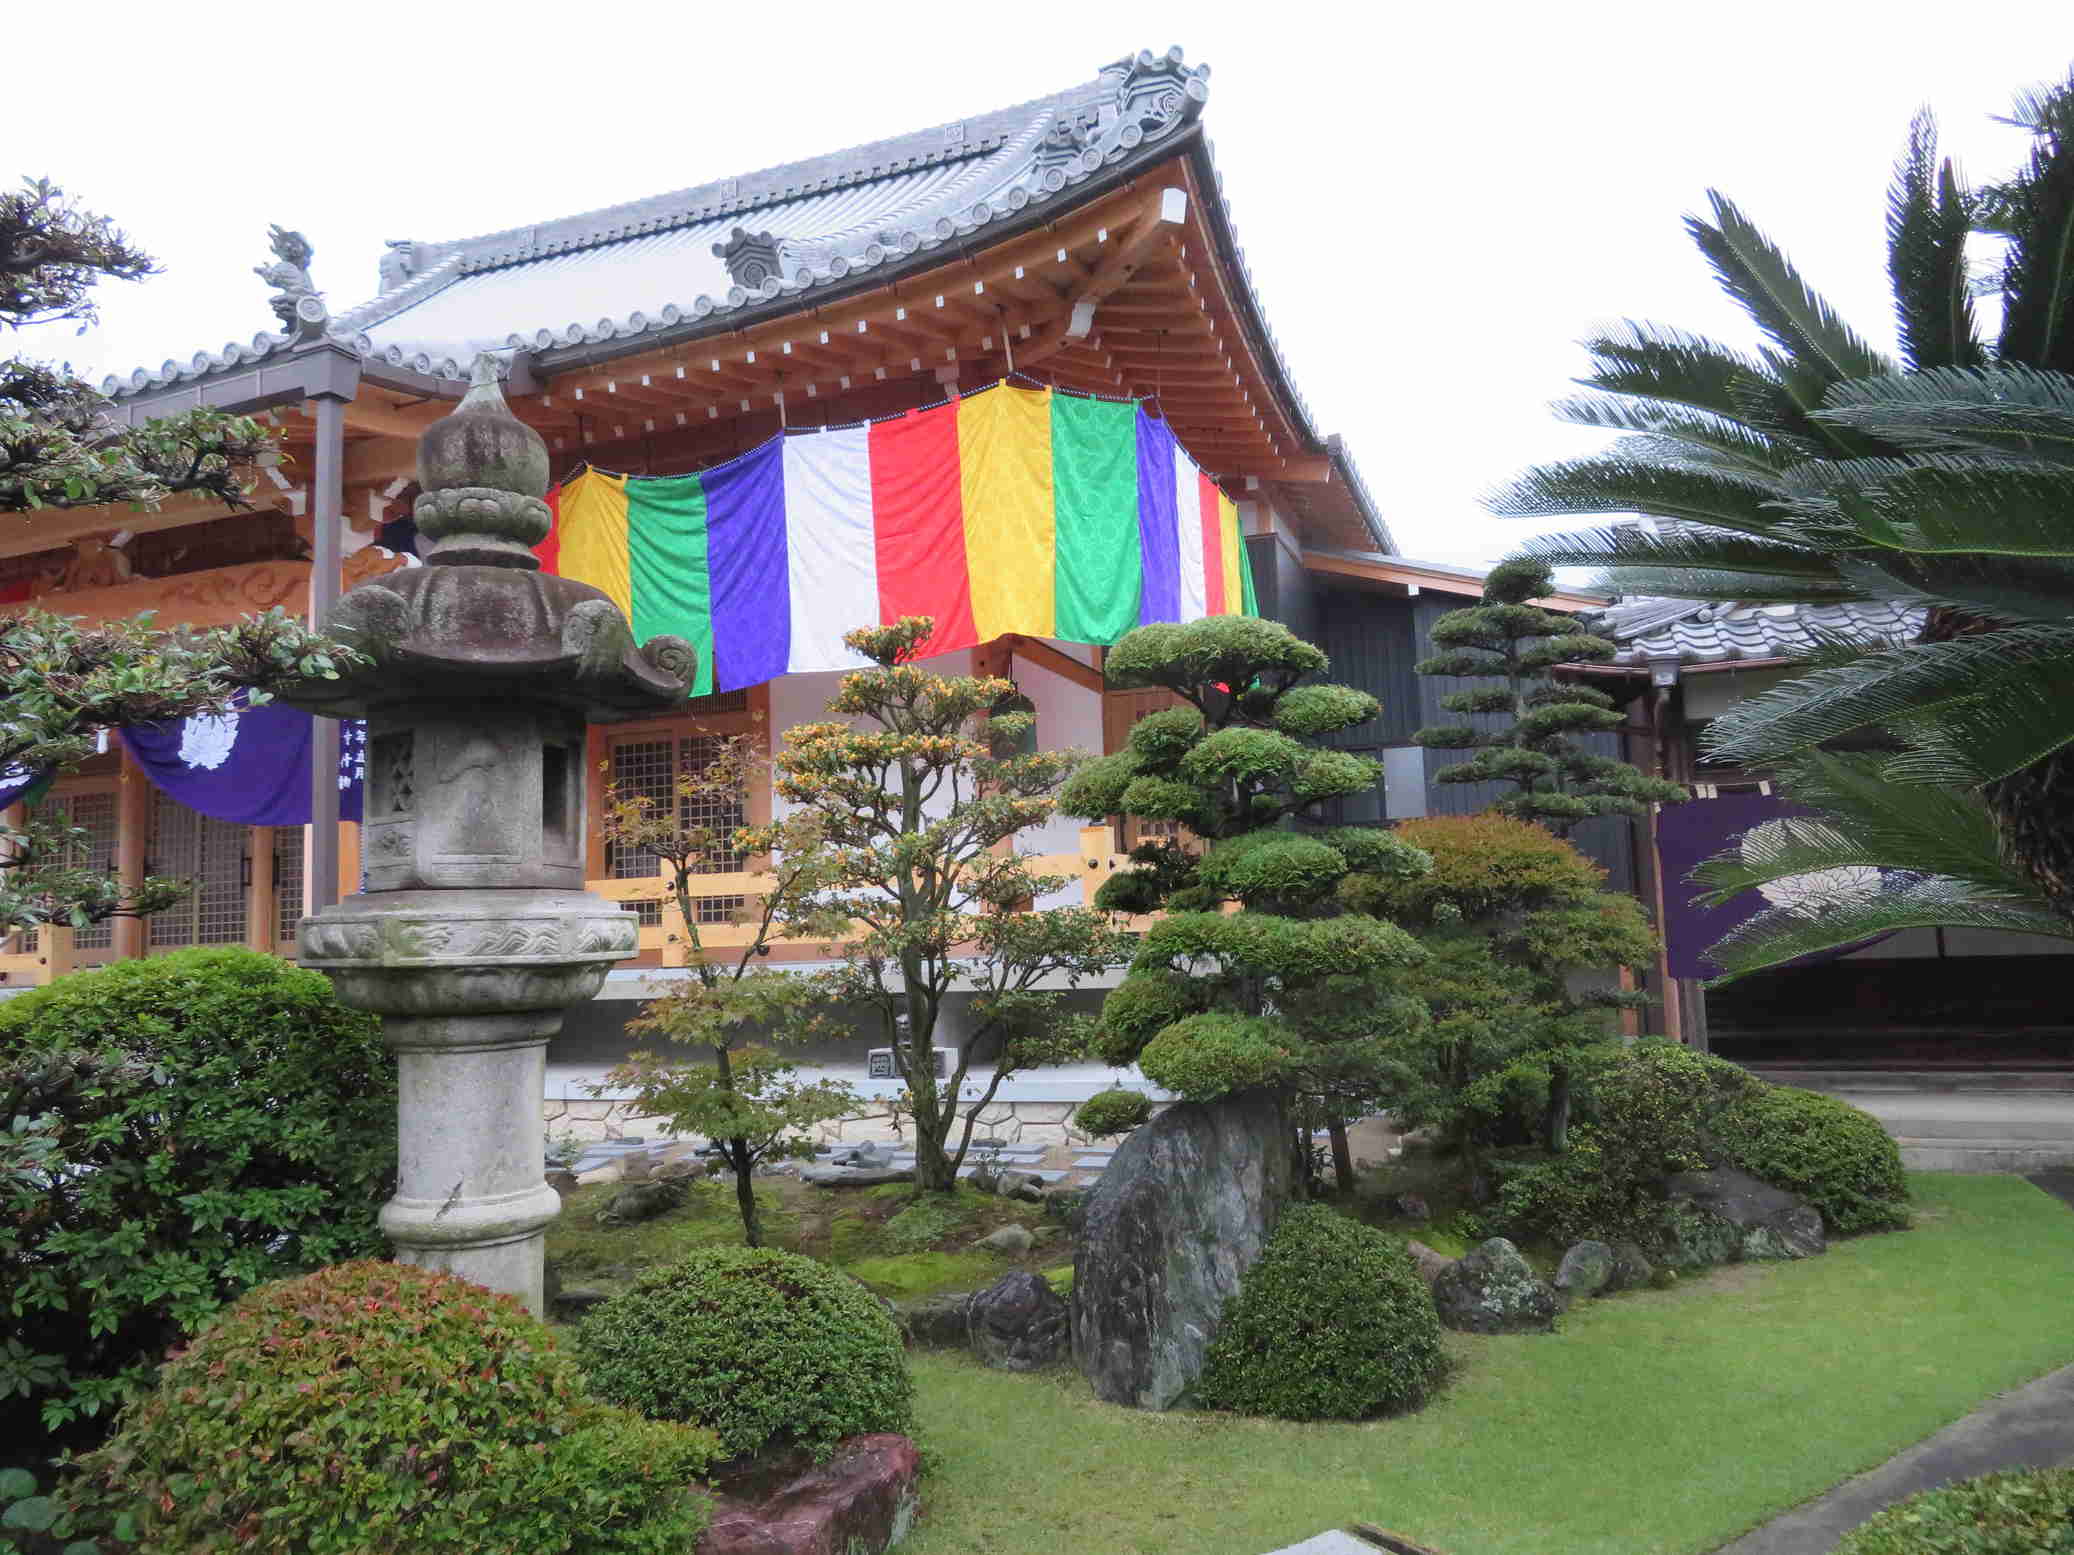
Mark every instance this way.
x=898 y=1242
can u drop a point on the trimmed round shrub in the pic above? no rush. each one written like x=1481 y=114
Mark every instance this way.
x=377 y=1406
x=1108 y=1113
x=180 y=1129
x=1331 y=1323
x=1831 y=1153
x=1211 y=1055
x=2019 y=1512
x=767 y=1349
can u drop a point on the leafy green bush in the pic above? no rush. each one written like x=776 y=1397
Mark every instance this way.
x=175 y=1132
x=1331 y=1323
x=1211 y=1055
x=2019 y=1512
x=765 y=1348
x=1108 y=1113
x=377 y=1406
x=1834 y=1155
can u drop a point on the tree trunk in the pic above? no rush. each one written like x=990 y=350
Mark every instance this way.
x=933 y=1169
x=1342 y=1157
x=1555 y=1122
x=745 y=1190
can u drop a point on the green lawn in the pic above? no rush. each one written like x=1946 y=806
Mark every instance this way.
x=1663 y=1421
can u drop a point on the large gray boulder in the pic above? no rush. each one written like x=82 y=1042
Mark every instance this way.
x=1726 y=1215
x=1586 y=1270
x=1183 y=1210
x=1019 y=1323
x=1492 y=1289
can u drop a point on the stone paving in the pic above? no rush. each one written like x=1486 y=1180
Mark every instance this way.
x=1049 y=1163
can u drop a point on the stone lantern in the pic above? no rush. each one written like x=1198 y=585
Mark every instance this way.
x=474 y=934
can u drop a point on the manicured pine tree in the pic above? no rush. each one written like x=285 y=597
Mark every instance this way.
x=915 y=791
x=1516 y=644
x=1291 y=991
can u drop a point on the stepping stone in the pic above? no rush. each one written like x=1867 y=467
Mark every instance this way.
x=1091 y=1163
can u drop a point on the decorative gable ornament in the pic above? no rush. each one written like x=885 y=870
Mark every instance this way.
x=752 y=258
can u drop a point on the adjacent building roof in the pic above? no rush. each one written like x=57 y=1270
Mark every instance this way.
x=1692 y=632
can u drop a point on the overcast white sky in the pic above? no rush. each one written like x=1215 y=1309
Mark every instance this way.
x=1436 y=201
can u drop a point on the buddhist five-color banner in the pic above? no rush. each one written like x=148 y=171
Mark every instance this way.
x=1010 y=510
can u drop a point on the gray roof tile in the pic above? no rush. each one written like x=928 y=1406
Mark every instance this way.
x=1694 y=632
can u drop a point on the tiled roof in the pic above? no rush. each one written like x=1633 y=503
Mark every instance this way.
x=1693 y=632
x=653 y=264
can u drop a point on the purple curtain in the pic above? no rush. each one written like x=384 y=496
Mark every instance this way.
x=1689 y=834
x=250 y=766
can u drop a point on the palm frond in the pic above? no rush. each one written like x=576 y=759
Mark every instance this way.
x=1865 y=821
x=2003 y=589
x=1683 y=547
x=1892 y=683
x=1760 y=277
x=2010 y=411
x=1656 y=362
x=1929 y=217
x=1708 y=431
x=2035 y=210
x=1772 y=939
x=2016 y=717
x=1606 y=484
x=1991 y=510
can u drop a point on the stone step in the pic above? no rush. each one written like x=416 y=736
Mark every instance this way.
x=1932 y=1153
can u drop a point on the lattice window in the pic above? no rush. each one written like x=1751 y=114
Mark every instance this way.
x=721 y=812
x=641 y=769
x=95 y=815
x=648 y=914
x=649 y=769
x=287 y=882
x=211 y=854
x=718 y=909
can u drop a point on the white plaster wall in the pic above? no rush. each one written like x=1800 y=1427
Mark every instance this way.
x=1710 y=693
x=1068 y=717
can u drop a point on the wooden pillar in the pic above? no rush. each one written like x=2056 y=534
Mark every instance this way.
x=347 y=881
x=597 y=751
x=132 y=844
x=327 y=498
x=262 y=900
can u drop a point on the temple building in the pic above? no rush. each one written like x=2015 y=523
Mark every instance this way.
x=1077 y=248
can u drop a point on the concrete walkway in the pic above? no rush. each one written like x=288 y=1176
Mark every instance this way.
x=2031 y=1427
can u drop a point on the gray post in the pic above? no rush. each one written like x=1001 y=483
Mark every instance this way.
x=475 y=934
x=326 y=513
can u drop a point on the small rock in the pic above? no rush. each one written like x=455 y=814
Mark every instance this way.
x=641 y=1201
x=1039 y=1235
x=1018 y=1323
x=682 y=1169
x=562 y=1181
x=1027 y=1186
x=855 y=1176
x=1409 y=1206
x=1431 y=1264
x=990 y=1144
x=866 y=1153
x=636 y=1166
x=1012 y=1240
x=862 y=1501
x=572 y=1301
x=937 y=1322
x=1494 y=1290
x=1631 y=1269
x=1586 y=1270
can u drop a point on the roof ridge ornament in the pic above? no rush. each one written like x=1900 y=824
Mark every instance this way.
x=296 y=301
x=751 y=258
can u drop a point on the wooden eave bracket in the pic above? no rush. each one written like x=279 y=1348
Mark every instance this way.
x=1163 y=220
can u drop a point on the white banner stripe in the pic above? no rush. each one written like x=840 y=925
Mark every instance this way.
x=831 y=551
x=1188 y=525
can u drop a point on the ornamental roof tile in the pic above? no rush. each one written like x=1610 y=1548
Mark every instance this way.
x=632 y=269
x=1692 y=632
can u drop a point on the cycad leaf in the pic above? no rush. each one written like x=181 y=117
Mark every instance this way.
x=1864 y=820
x=1893 y=684
x=1994 y=510
x=1785 y=307
x=2011 y=412
x=2035 y=209
x=1774 y=938
x=1604 y=484
x=1684 y=547
x=1656 y=362
x=2016 y=716
x=1928 y=221
x=1674 y=424
x=2011 y=590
